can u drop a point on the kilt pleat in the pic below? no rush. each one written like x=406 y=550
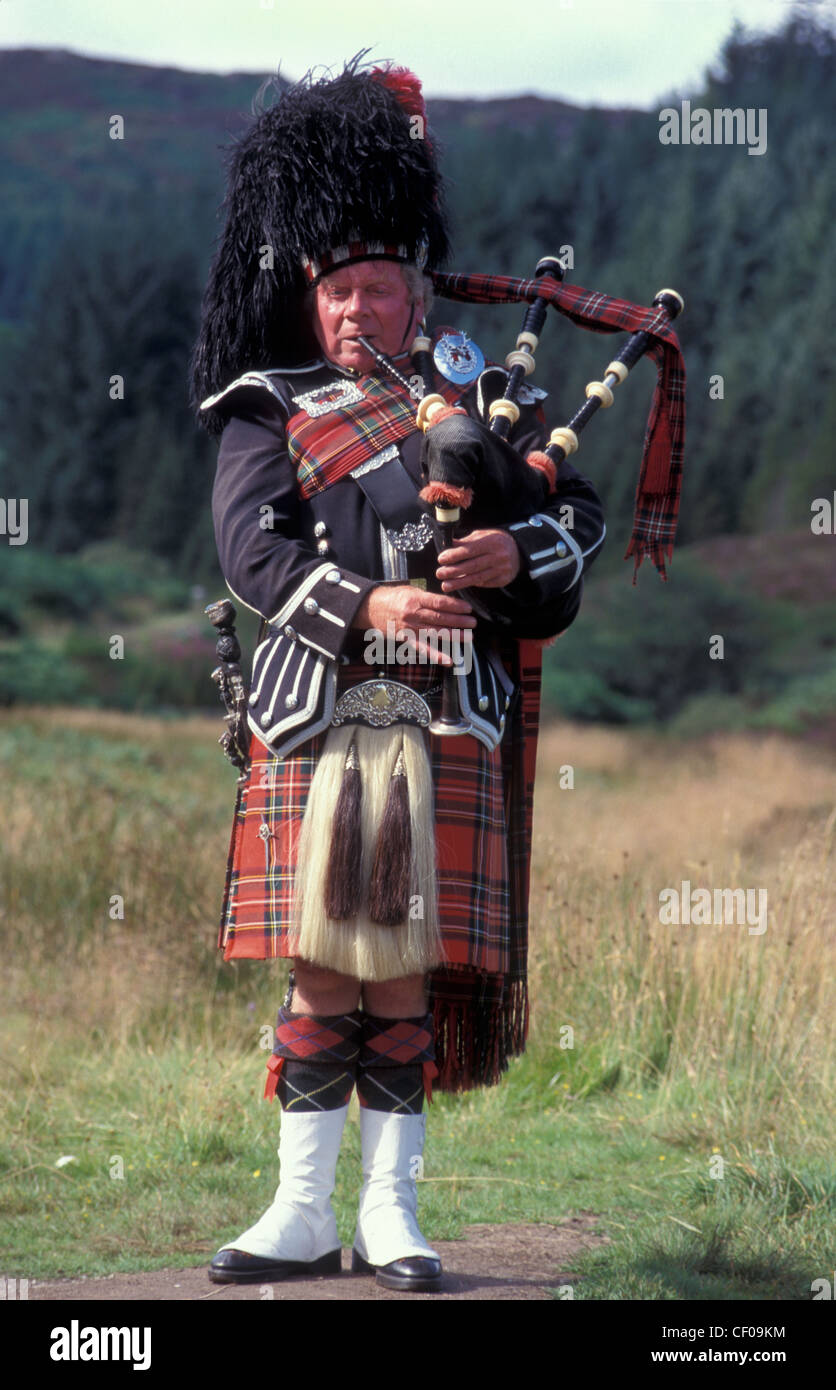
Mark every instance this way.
x=483 y=804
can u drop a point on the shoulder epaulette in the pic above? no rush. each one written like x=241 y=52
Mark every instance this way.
x=261 y=379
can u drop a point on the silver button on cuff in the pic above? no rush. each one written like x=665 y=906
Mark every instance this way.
x=320 y=529
x=535 y=521
x=310 y=605
x=483 y=702
x=264 y=721
x=333 y=577
x=290 y=633
x=560 y=549
x=323 y=547
x=291 y=701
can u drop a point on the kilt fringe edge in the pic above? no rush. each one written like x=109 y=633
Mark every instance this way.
x=474 y=1042
x=361 y=947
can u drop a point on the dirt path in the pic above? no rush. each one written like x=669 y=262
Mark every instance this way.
x=491 y=1262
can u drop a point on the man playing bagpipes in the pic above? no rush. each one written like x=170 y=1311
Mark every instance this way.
x=382 y=835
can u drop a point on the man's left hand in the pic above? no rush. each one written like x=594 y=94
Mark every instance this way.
x=482 y=560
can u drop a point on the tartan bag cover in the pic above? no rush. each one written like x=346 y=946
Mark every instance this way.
x=660 y=480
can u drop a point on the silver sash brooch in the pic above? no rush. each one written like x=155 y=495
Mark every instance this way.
x=323 y=399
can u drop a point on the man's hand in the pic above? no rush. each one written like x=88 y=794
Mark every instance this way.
x=411 y=609
x=482 y=560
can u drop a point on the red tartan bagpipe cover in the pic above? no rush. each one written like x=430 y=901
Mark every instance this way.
x=660 y=480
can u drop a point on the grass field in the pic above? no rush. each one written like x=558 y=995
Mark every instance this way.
x=678 y=1081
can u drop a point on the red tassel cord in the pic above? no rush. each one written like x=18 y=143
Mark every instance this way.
x=275 y=1066
x=392 y=868
x=537 y=459
x=430 y=1071
x=342 y=881
x=446 y=495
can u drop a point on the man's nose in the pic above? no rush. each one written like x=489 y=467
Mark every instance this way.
x=357 y=304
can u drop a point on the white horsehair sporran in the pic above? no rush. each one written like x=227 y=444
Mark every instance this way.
x=370 y=804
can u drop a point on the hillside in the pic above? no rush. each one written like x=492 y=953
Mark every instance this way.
x=792 y=565
x=104 y=247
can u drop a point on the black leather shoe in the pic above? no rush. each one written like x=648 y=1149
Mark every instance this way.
x=237 y=1267
x=416 y=1274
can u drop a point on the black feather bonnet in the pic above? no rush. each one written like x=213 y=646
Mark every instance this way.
x=336 y=170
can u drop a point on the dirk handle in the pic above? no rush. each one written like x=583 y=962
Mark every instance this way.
x=222 y=615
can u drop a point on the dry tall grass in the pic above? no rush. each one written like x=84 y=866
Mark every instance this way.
x=711 y=1010
x=103 y=804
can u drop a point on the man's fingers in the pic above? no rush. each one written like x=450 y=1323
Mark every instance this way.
x=448 y=607
x=484 y=575
x=430 y=621
x=457 y=554
x=482 y=560
x=433 y=654
x=433 y=644
x=477 y=543
x=485 y=565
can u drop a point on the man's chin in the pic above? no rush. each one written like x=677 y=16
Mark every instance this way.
x=353 y=354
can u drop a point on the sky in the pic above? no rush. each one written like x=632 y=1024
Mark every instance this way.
x=601 y=52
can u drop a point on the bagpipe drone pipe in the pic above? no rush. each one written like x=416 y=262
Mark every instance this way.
x=488 y=483
x=474 y=478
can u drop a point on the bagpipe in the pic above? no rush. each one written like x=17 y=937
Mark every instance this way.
x=468 y=484
x=473 y=486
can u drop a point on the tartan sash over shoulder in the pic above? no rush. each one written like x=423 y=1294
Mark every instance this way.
x=660 y=480
x=324 y=449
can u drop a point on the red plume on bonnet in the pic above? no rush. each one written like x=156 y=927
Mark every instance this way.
x=405 y=86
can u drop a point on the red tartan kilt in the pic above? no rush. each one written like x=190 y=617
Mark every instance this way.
x=471 y=845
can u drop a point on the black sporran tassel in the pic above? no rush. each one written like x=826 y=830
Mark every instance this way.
x=342 y=881
x=392 y=868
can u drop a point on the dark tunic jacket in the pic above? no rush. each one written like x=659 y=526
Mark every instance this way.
x=306 y=565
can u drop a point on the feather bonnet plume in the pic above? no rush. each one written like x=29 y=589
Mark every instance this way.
x=333 y=162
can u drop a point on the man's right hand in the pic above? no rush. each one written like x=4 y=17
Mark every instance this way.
x=411 y=608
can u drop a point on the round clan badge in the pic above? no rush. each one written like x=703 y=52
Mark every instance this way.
x=457 y=358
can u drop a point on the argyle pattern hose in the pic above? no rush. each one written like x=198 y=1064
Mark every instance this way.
x=314 y=1060
x=397 y=1064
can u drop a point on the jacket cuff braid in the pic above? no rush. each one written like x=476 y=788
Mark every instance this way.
x=555 y=556
x=320 y=611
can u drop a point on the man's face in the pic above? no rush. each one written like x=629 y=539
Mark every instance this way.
x=372 y=298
